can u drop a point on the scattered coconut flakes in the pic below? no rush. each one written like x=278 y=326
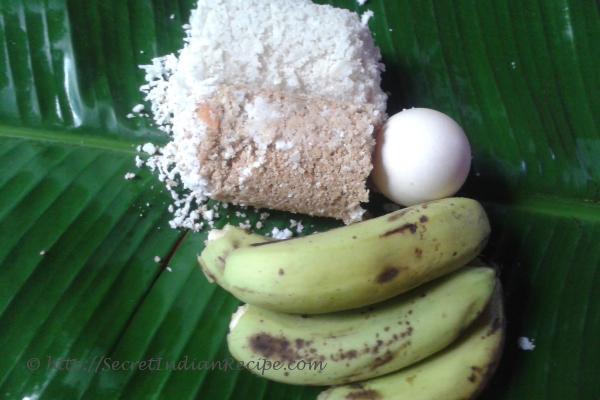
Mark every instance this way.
x=281 y=234
x=259 y=225
x=264 y=215
x=245 y=225
x=526 y=343
x=157 y=259
x=357 y=213
x=208 y=215
x=296 y=224
x=130 y=115
x=43 y=253
x=149 y=148
x=129 y=176
x=172 y=16
x=366 y=16
x=139 y=162
x=138 y=108
x=169 y=269
x=361 y=2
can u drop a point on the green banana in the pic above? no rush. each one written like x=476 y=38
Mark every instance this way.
x=457 y=373
x=356 y=265
x=359 y=344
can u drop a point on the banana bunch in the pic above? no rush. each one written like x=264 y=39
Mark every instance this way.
x=385 y=302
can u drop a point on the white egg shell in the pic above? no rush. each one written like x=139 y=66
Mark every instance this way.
x=421 y=155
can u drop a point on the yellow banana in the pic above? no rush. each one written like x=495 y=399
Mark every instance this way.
x=459 y=372
x=356 y=265
x=359 y=344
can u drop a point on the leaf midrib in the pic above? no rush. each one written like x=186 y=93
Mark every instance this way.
x=558 y=206
x=74 y=138
x=561 y=206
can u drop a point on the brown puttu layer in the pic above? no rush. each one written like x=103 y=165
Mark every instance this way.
x=287 y=151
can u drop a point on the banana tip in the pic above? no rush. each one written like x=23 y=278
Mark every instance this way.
x=237 y=315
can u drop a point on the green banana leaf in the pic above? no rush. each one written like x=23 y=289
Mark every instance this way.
x=80 y=287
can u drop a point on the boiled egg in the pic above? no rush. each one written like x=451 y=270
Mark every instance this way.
x=421 y=155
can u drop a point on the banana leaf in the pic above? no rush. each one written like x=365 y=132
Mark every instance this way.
x=91 y=273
